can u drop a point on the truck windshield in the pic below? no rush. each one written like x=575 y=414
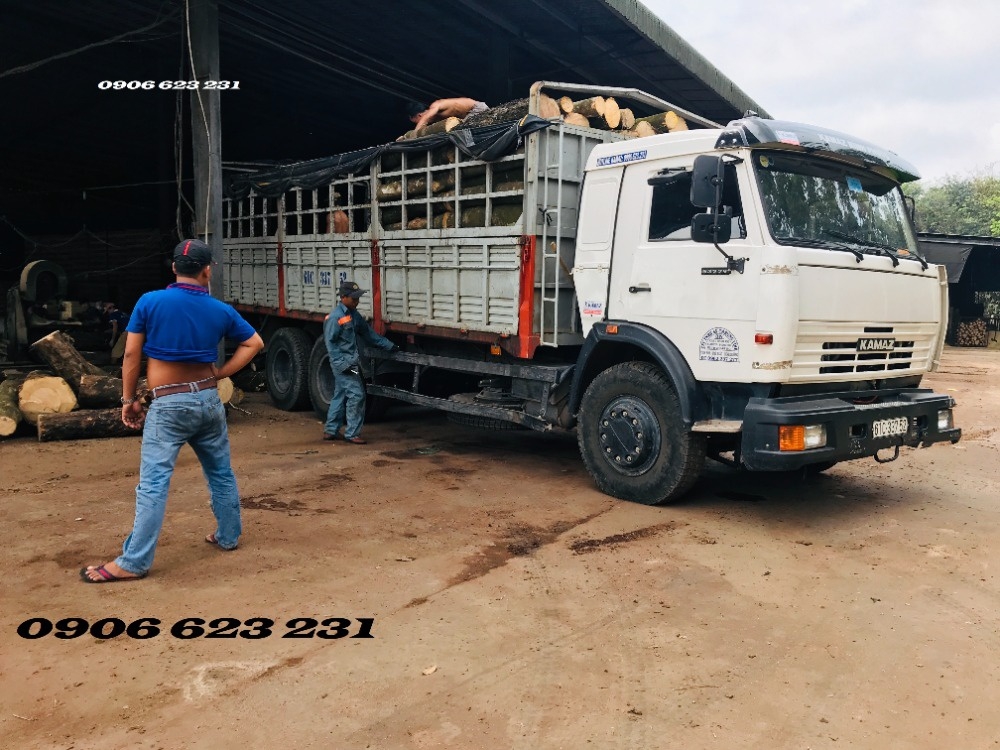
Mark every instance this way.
x=813 y=202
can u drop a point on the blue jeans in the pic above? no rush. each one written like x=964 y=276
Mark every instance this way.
x=346 y=406
x=198 y=419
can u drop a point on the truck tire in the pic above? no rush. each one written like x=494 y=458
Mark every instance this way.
x=288 y=369
x=321 y=380
x=632 y=439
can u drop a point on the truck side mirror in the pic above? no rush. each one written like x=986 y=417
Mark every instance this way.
x=715 y=227
x=707 y=180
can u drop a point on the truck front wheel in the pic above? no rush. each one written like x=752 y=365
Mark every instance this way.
x=287 y=368
x=632 y=439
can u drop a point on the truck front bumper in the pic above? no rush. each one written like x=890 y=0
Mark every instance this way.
x=850 y=424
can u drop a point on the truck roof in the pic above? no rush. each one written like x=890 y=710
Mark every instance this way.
x=756 y=132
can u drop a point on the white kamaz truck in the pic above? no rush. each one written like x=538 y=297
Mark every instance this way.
x=751 y=293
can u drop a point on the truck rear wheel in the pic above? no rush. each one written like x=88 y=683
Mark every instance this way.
x=632 y=439
x=322 y=382
x=288 y=368
x=321 y=379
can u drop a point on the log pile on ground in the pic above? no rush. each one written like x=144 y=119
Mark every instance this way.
x=972 y=333
x=80 y=401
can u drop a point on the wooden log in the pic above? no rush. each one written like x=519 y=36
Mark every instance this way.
x=548 y=107
x=643 y=129
x=675 y=122
x=441 y=126
x=612 y=116
x=10 y=413
x=419 y=222
x=58 y=351
x=627 y=119
x=338 y=222
x=592 y=107
x=79 y=425
x=226 y=390
x=104 y=392
x=443 y=221
x=575 y=118
x=503 y=215
x=664 y=122
x=45 y=395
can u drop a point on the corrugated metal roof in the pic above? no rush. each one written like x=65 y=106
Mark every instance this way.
x=316 y=78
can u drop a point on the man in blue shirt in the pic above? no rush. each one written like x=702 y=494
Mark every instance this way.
x=179 y=329
x=341 y=330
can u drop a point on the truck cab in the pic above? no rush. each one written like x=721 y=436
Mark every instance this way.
x=778 y=264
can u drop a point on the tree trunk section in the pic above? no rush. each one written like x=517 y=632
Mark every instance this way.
x=103 y=391
x=627 y=119
x=664 y=122
x=79 y=425
x=592 y=107
x=575 y=118
x=58 y=351
x=337 y=222
x=10 y=414
x=643 y=129
x=441 y=126
x=548 y=107
x=45 y=395
x=503 y=216
x=612 y=113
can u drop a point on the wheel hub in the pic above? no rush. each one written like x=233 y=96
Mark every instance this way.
x=629 y=435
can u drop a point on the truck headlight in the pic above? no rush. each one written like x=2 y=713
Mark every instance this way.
x=800 y=437
x=945 y=420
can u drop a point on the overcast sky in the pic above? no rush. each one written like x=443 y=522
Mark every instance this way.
x=918 y=77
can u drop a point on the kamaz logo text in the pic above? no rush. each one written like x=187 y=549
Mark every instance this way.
x=876 y=345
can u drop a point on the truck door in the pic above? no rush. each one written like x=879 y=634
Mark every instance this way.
x=661 y=278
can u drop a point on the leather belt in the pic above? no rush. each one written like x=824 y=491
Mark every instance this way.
x=169 y=390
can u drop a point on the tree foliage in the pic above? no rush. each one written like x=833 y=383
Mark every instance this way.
x=960 y=205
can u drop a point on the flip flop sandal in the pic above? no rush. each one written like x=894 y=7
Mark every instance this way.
x=106 y=576
x=212 y=540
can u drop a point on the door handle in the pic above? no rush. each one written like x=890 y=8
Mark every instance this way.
x=639 y=288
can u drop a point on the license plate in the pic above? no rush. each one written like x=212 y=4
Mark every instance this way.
x=889 y=427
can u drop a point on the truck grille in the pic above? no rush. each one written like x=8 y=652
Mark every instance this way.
x=830 y=351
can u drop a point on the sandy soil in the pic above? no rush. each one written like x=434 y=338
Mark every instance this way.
x=514 y=605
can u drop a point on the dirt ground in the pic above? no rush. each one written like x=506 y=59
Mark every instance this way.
x=514 y=605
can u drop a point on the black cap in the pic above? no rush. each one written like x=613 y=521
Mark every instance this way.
x=192 y=255
x=350 y=289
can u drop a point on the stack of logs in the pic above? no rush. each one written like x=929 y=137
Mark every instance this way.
x=972 y=333
x=594 y=112
x=79 y=401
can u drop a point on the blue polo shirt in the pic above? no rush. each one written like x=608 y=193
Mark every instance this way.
x=184 y=323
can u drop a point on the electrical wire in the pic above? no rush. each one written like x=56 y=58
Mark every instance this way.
x=204 y=117
x=120 y=37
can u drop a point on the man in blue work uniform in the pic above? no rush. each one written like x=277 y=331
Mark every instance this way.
x=341 y=330
x=179 y=329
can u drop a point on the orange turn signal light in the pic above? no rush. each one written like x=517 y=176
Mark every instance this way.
x=495 y=350
x=791 y=437
x=763 y=338
x=612 y=329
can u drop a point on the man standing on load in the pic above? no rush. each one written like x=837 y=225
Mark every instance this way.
x=341 y=330
x=179 y=329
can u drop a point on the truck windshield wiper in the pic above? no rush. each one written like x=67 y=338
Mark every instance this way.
x=887 y=250
x=825 y=244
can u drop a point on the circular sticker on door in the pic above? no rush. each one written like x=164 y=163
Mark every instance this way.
x=719 y=345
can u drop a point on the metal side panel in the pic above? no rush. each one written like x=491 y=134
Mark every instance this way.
x=251 y=276
x=314 y=269
x=455 y=282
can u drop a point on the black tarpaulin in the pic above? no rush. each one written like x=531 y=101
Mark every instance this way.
x=487 y=143
x=952 y=257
